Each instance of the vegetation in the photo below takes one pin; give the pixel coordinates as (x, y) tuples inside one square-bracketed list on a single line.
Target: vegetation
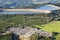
[(37, 37), (18, 20), (34, 37), (52, 27), (6, 37), (58, 37), (30, 20)]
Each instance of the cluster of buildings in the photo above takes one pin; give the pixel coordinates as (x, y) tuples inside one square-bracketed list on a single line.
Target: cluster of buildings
[(26, 33)]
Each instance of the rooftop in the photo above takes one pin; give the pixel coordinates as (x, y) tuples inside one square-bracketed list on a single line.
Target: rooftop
[(28, 31)]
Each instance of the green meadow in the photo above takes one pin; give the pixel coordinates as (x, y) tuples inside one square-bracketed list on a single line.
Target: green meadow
[(52, 27)]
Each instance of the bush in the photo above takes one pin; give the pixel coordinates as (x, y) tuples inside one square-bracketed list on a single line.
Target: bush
[(6, 37), (58, 37), (34, 37)]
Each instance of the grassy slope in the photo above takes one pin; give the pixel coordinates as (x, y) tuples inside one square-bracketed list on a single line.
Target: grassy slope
[(53, 26)]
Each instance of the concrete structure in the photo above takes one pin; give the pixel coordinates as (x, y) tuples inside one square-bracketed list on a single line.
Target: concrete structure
[(25, 33)]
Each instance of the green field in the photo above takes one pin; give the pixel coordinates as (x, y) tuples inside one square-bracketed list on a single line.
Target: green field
[(52, 27)]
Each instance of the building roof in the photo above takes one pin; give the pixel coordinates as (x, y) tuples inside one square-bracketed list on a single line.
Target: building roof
[(28, 31), (48, 7)]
